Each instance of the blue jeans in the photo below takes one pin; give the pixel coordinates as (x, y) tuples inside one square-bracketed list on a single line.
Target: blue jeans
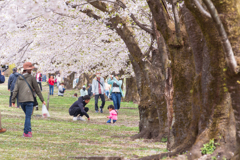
[(51, 88), (27, 108), (107, 93), (109, 121), (116, 97)]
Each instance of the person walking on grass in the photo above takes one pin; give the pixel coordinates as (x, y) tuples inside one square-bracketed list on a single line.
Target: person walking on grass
[(113, 114), (51, 85), (11, 83), (116, 90), (24, 86), (2, 80), (61, 89), (98, 89), (78, 109), (39, 79), (83, 91)]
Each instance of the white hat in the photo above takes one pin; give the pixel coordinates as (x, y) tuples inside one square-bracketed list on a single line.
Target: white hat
[(84, 86)]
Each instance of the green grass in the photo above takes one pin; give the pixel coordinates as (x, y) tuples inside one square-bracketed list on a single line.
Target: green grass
[(58, 137)]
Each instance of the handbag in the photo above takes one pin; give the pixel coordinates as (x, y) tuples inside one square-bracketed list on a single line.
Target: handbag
[(35, 103)]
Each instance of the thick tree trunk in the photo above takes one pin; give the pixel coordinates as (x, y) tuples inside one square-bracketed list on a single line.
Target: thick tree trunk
[(84, 79), (69, 81), (202, 104), (131, 91)]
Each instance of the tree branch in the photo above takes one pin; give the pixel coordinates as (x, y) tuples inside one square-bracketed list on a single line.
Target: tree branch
[(142, 26), (229, 55), (176, 18), (201, 9)]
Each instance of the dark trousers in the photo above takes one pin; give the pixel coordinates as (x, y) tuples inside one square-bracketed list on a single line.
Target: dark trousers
[(10, 100), (116, 97), (27, 108), (40, 85), (76, 111), (96, 101)]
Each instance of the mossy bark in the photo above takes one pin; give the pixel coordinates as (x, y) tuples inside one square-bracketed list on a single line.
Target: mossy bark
[(131, 91), (205, 95)]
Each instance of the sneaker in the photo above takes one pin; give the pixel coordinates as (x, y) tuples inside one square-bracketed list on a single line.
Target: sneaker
[(36, 108), (80, 118), (74, 118), (96, 111), (27, 135), (30, 133), (101, 110), (2, 130)]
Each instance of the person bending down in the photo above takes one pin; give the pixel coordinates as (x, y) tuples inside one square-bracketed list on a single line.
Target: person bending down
[(78, 108), (113, 114)]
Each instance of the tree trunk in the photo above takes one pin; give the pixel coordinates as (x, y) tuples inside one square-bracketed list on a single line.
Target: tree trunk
[(131, 91), (202, 103), (69, 81)]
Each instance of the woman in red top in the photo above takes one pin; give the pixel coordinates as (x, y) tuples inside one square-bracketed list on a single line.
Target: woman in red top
[(51, 85)]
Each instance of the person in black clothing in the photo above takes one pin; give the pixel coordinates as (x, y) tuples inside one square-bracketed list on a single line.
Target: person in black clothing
[(2, 80), (11, 84), (78, 108), (90, 90)]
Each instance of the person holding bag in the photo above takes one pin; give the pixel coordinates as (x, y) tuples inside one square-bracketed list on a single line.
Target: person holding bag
[(98, 89), (116, 90), (25, 87)]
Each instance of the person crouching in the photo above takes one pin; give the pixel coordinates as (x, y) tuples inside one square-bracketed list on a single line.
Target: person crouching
[(113, 114), (78, 108), (61, 89)]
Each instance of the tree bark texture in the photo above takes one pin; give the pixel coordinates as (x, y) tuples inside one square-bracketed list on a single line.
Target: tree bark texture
[(69, 81), (205, 101), (205, 93), (131, 91)]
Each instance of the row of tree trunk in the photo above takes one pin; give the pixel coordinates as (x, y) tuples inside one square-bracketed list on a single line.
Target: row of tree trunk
[(186, 88)]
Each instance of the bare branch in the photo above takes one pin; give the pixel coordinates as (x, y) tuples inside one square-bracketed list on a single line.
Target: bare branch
[(201, 9), (142, 26), (176, 18), (229, 55)]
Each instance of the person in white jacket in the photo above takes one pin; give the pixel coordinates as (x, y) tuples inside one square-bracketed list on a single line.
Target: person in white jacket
[(83, 91), (58, 80), (98, 90)]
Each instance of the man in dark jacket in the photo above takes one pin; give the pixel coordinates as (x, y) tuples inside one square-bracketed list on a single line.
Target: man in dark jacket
[(78, 108), (90, 90), (11, 83), (2, 80)]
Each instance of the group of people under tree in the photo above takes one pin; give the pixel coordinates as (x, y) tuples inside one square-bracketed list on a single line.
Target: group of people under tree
[(24, 87)]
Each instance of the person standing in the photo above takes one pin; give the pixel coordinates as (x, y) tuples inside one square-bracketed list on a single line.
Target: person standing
[(11, 83), (90, 90), (58, 80), (98, 89), (2, 80), (39, 79), (116, 90), (24, 86), (83, 91), (51, 85), (107, 88)]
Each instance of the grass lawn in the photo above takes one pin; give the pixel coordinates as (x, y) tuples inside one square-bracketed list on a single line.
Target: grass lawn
[(58, 137)]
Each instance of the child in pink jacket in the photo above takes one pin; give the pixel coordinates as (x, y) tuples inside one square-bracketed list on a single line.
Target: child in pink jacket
[(113, 114)]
